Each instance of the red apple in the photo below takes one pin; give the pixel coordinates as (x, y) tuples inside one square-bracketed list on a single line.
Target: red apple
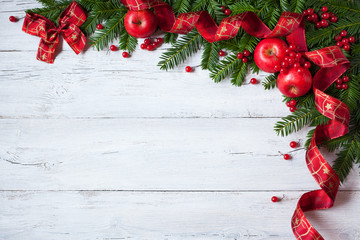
[(295, 82), (140, 23), (268, 53)]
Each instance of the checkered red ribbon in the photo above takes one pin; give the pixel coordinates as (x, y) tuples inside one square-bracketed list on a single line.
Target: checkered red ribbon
[(69, 22), (333, 64)]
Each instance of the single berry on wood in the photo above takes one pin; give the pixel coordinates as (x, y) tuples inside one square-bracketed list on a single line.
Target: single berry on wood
[(221, 53), (293, 144), (292, 103), (310, 11), (125, 54), (253, 81), (239, 55), (324, 23), (99, 26), (344, 86), (324, 9), (345, 40), (246, 53), (343, 33), (159, 40), (339, 86), (333, 19), (338, 38), (346, 47), (274, 199), (147, 41), (188, 69), (149, 47), (351, 39), (227, 12), (143, 46), (325, 16), (307, 64), (12, 19), (345, 78), (292, 109), (113, 48), (339, 44), (339, 81), (286, 156), (244, 60)]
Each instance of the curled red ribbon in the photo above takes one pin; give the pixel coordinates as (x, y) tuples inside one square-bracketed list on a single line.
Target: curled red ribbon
[(333, 64), (69, 22)]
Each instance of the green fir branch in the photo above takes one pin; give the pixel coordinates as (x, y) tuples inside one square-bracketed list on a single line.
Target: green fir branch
[(210, 56), (270, 81), (294, 122), (127, 42)]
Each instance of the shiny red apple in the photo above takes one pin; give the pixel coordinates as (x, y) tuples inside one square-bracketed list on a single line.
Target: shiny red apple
[(268, 53), (140, 23), (295, 82)]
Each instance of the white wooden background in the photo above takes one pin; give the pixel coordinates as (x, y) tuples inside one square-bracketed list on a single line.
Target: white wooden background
[(96, 146)]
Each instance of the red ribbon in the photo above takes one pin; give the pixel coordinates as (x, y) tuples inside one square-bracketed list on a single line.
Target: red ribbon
[(69, 22), (333, 64)]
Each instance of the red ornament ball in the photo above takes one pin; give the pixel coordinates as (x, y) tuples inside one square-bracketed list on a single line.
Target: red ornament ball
[(346, 47), (99, 26), (286, 156), (344, 86), (227, 12), (246, 53), (221, 53), (113, 48), (239, 55), (244, 60), (188, 69), (253, 81), (125, 54), (324, 9), (343, 33), (143, 46), (351, 39), (333, 19), (345, 78), (12, 19), (274, 199), (293, 144)]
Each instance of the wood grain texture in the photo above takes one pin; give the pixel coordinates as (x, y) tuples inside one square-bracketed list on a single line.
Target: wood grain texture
[(96, 146)]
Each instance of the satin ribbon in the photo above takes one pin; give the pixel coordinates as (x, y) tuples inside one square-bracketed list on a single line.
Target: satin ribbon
[(69, 22), (332, 63)]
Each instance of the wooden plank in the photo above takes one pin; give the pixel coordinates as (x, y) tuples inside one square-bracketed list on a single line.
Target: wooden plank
[(160, 154), (166, 215)]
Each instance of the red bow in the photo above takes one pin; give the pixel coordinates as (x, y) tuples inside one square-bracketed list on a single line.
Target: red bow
[(69, 22), (333, 64)]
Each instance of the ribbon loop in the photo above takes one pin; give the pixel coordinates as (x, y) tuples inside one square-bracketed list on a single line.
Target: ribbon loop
[(69, 22)]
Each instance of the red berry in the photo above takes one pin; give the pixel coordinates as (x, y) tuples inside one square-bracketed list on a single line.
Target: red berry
[(292, 109), (288, 104), (287, 51), (277, 67), (292, 47), (292, 54), (324, 9), (253, 81), (305, 12), (333, 19), (339, 81), (339, 86), (244, 60), (318, 25), (283, 70), (309, 18), (298, 55), (149, 47), (99, 26), (293, 144), (274, 199), (154, 44), (143, 46), (12, 19), (246, 53), (286, 156), (325, 15), (345, 40), (188, 69), (297, 65), (113, 48), (324, 23), (159, 40), (223, 8), (307, 64), (239, 55), (284, 64), (345, 78), (314, 17), (291, 61), (346, 47), (221, 53), (286, 59), (292, 103), (147, 41), (344, 86), (343, 33), (125, 54), (338, 38), (310, 11), (300, 70), (331, 14), (227, 12), (351, 39), (339, 44)]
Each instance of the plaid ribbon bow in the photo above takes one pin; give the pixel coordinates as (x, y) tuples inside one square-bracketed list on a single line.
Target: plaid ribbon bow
[(69, 22)]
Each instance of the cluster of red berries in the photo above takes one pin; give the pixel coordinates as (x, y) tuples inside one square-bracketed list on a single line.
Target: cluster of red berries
[(292, 59), (13, 19), (293, 144), (227, 11), (151, 45), (243, 56), (292, 105), (344, 42), (325, 16), (341, 83)]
